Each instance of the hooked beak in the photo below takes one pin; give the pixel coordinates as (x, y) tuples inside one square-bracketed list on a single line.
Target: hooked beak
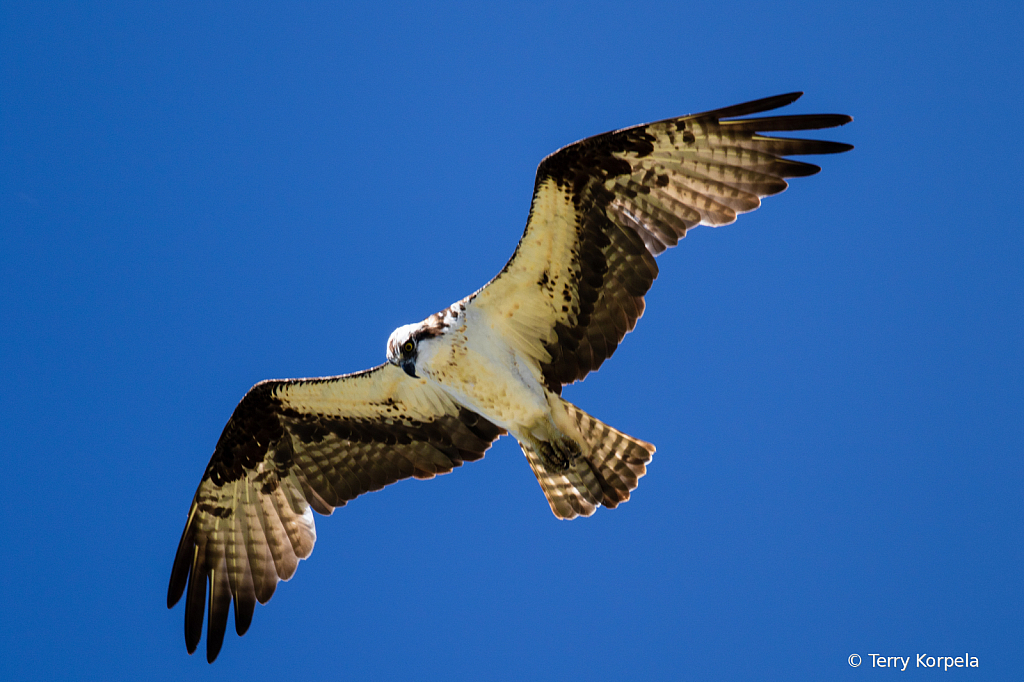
[(409, 367)]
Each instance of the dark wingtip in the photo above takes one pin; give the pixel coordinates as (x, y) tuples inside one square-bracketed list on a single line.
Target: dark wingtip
[(799, 169), (754, 107), (243, 615), (195, 607), (213, 645), (174, 593), (217, 614), (182, 562)]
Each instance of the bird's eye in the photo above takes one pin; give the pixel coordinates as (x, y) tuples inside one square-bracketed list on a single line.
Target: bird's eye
[(408, 347)]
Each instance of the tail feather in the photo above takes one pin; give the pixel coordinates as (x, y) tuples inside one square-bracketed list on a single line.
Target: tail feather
[(571, 492), (608, 469)]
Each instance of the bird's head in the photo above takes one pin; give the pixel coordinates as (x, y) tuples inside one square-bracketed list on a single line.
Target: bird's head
[(402, 347), (418, 342)]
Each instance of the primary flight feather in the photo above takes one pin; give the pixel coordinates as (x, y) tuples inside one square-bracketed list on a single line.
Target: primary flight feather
[(493, 363)]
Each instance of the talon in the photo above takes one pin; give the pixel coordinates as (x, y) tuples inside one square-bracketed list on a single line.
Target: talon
[(560, 455)]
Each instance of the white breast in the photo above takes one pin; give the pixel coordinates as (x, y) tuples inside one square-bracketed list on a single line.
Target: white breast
[(479, 369)]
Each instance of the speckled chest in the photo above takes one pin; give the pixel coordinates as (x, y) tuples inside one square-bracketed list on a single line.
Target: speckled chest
[(473, 364)]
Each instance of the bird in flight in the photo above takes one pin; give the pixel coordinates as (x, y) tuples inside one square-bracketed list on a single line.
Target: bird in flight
[(490, 364)]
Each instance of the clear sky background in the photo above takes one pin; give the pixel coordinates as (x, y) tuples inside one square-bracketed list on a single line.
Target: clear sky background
[(197, 196)]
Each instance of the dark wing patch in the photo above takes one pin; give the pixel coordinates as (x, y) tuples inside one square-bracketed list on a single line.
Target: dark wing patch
[(623, 198), (295, 445)]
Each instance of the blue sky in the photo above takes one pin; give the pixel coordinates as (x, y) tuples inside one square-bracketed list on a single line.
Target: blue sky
[(198, 196)]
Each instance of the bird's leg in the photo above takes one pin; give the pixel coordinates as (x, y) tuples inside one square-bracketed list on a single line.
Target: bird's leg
[(554, 437), (559, 453)]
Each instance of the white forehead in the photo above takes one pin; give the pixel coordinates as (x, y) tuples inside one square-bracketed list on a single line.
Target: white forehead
[(402, 333)]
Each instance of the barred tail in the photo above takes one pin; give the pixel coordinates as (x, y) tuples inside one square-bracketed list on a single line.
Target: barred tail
[(608, 467)]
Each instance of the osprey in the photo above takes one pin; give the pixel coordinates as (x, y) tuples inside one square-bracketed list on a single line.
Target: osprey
[(493, 363)]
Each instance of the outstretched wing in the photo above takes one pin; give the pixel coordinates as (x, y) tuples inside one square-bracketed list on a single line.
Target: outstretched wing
[(293, 445), (605, 206)]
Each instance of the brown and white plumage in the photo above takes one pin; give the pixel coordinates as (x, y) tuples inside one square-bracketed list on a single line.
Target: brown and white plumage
[(494, 362), (300, 444), (605, 206)]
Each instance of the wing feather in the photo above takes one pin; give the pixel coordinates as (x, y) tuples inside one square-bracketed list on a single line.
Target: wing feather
[(220, 604), (605, 206), (240, 575), (294, 447)]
